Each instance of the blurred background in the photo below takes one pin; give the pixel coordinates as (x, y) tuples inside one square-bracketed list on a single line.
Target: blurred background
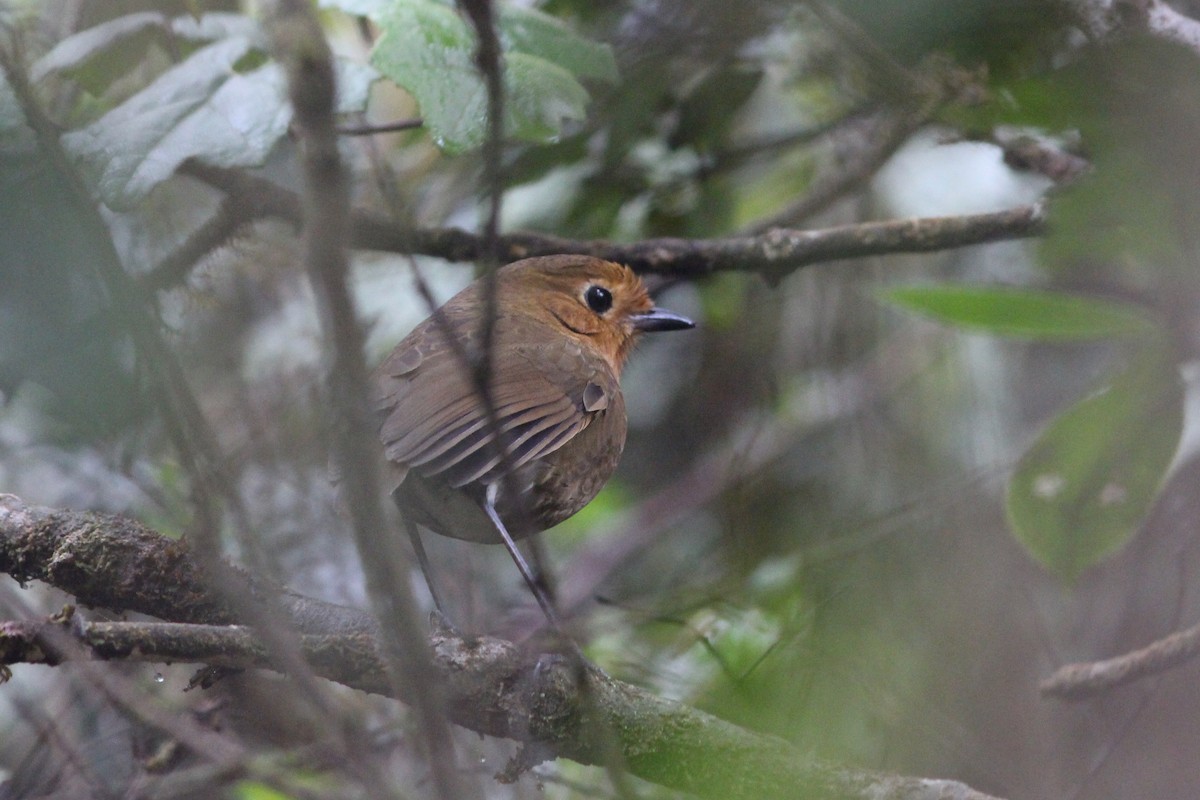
[(808, 532)]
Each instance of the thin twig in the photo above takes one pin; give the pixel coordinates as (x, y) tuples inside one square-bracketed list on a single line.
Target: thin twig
[(1088, 679), (488, 61), (382, 127), (171, 271)]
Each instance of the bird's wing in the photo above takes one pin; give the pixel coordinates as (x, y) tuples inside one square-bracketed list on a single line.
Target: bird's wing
[(434, 422)]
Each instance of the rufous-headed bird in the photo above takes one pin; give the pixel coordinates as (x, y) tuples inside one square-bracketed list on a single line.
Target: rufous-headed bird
[(563, 329)]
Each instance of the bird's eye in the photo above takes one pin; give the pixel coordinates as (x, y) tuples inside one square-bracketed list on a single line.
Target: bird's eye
[(598, 299)]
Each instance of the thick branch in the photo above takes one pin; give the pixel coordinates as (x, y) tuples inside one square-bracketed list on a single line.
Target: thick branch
[(492, 687), (774, 254)]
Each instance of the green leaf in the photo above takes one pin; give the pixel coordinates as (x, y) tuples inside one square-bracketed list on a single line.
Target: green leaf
[(1082, 489), (525, 30), (101, 54), (1022, 313), (429, 49), (253, 790), (539, 97), (199, 108), (202, 108)]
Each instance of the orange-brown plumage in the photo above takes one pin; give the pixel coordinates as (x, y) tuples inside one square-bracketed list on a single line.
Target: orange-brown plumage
[(565, 326)]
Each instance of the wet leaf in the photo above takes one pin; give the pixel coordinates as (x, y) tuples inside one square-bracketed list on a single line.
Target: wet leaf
[(429, 49), (1082, 489)]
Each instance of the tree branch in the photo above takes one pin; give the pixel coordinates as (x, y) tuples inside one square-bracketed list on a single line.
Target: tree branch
[(491, 685), (774, 254), (1088, 679)]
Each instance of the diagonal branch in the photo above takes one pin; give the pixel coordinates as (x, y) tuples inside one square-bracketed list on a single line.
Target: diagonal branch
[(1086, 680), (491, 685)]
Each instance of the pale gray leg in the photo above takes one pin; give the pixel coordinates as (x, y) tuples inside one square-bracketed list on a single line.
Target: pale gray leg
[(414, 536), (541, 566), (519, 560)]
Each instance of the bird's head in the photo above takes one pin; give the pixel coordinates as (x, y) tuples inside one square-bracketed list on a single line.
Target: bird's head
[(603, 304)]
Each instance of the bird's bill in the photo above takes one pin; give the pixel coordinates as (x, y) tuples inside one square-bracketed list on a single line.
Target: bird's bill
[(657, 319)]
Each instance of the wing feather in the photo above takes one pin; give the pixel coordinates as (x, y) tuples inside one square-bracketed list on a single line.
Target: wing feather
[(433, 421), (465, 425), (477, 434)]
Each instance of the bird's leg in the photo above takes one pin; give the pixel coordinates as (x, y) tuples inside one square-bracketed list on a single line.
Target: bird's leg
[(414, 536), (541, 567), (489, 507)]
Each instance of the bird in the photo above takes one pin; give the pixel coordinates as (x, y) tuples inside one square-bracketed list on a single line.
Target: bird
[(563, 328)]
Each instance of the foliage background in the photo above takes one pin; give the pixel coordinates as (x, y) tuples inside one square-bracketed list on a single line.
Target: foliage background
[(808, 533)]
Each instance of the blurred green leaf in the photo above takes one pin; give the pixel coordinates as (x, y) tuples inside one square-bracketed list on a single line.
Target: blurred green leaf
[(1081, 490), (252, 790), (107, 52), (429, 49), (1022, 313), (201, 108), (526, 30), (1119, 210), (541, 95), (101, 54)]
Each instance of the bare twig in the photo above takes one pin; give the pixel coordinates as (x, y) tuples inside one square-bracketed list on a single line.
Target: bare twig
[(1085, 680), (1028, 153), (383, 127), (915, 96), (171, 271), (56, 641), (488, 61), (301, 47), (774, 254)]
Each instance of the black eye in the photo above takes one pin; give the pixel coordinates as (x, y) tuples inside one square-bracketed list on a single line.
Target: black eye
[(598, 299)]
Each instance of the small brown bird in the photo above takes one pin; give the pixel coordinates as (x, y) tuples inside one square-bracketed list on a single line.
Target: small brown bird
[(564, 327)]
